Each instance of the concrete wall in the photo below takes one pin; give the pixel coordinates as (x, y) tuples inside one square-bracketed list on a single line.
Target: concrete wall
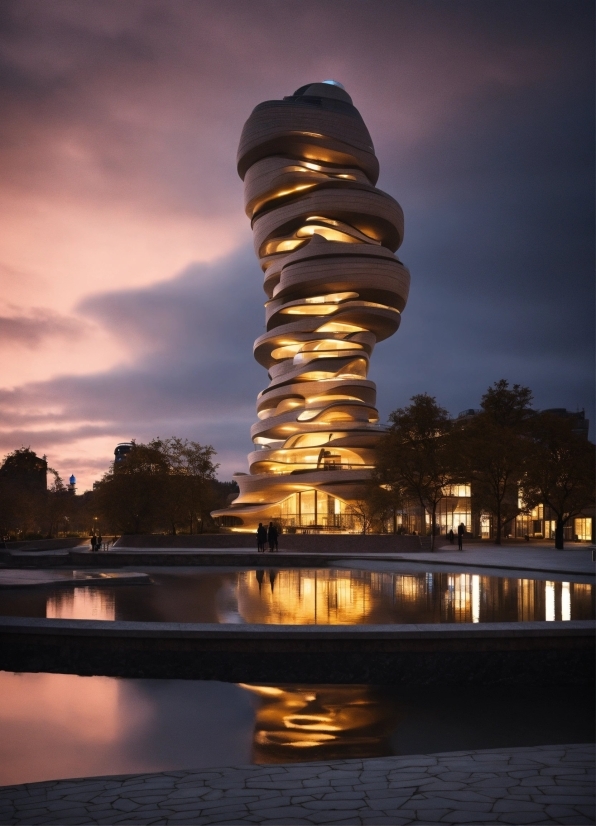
[(312, 543), (493, 654), (44, 544)]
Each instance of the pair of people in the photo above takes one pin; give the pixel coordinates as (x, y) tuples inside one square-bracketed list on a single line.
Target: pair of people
[(461, 529), (266, 535), (96, 543)]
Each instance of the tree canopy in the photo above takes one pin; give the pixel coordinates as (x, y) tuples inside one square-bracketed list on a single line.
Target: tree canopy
[(165, 484), (492, 448), (559, 470), (415, 457)]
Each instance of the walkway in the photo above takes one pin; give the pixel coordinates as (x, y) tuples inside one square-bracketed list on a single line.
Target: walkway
[(541, 558), (575, 561), (540, 785)]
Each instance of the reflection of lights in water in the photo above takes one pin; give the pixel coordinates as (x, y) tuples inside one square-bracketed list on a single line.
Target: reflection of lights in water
[(303, 597), (462, 593), (549, 601), (525, 600), (457, 596), (475, 598), (406, 587), (346, 597), (565, 602), (338, 721), (82, 603)]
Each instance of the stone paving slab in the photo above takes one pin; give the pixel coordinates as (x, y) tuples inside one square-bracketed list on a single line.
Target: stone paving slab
[(538, 785)]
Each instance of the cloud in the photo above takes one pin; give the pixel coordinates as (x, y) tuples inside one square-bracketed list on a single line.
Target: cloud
[(35, 327), (193, 376)]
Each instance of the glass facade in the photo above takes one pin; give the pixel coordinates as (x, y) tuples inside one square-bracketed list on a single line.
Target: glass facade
[(315, 511), (456, 507)]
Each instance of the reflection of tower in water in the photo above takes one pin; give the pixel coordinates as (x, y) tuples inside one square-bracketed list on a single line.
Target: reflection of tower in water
[(297, 723)]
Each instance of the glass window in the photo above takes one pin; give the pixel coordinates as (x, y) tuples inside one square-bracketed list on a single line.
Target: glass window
[(583, 529)]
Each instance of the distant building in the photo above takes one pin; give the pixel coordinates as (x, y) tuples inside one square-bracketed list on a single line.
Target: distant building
[(581, 425), (72, 485), (456, 506), (121, 450)]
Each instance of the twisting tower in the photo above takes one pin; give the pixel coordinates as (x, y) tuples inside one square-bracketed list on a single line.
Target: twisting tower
[(325, 238)]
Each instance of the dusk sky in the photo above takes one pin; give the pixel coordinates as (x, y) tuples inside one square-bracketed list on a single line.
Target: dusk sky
[(131, 295)]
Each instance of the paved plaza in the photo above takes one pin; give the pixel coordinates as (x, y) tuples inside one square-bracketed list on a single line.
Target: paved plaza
[(539, 785), (573, 560)]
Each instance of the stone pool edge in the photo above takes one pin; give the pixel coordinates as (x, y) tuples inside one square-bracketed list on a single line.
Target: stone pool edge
[(554, 653)]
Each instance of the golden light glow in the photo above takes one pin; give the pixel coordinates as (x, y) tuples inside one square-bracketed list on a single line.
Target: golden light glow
[(306, 309), (331, 298), (331, 720), (339, 327)]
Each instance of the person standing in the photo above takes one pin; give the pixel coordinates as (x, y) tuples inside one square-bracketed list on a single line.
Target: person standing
[(93, 543), (461, 529), (272, 537), (261, 538), (451, 536), (99, 542)]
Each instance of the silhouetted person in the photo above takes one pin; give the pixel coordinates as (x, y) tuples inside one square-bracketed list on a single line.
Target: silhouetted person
[(272, 537), (461, 529), (451, 536), (261, 538), (93, 543), (99, 541)]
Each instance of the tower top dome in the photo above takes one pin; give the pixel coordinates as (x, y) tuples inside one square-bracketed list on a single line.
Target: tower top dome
[(73, 479), (324, 89)]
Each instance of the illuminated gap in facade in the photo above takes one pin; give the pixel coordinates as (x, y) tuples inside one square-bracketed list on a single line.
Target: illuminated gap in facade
[(325, 238)]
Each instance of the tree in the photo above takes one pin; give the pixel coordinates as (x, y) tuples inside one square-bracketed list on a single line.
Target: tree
[(131, 495), (492, 447), (415, 457), (190, 495), (163, 484), (370, 511), (57, 503), (559, 470), (23, 490)]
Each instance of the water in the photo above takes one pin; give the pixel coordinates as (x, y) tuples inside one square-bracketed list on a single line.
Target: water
[(300, 596), (61, 725)]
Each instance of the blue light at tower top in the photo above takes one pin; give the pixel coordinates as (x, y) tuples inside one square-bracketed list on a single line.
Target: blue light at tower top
[(335, 83), (73, 479)]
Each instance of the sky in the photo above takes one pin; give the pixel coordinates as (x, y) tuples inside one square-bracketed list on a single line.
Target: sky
[(131, 296)]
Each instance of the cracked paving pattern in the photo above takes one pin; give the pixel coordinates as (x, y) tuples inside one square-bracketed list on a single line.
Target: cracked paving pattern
[(538, 785)]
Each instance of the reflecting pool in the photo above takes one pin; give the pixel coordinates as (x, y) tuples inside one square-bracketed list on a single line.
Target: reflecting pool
[(318, 596), (61, 725)]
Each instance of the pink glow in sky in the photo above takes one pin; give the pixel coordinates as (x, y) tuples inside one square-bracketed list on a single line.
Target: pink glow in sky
[(130, 296)]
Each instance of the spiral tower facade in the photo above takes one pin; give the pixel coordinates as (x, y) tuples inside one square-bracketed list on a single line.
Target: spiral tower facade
[(325, 238)]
